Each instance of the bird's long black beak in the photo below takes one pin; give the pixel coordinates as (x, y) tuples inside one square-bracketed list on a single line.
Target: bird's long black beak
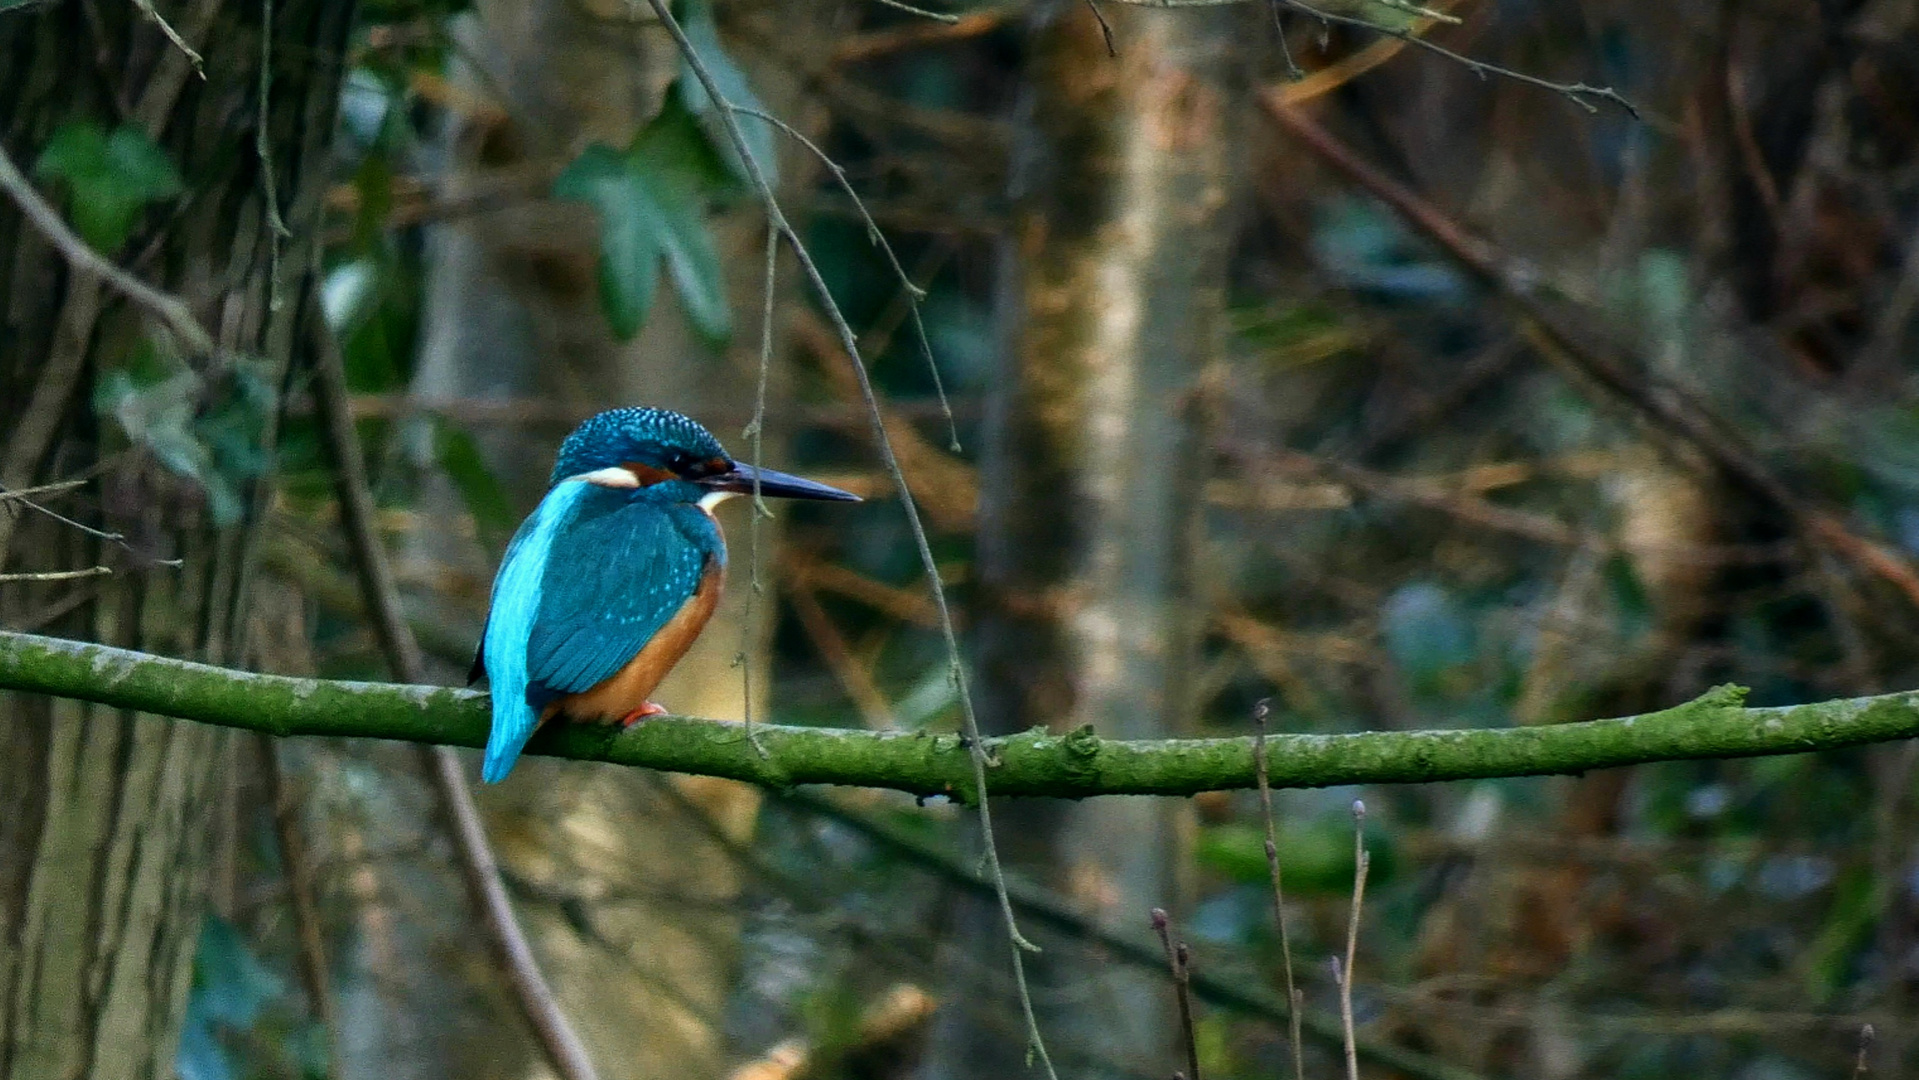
[(774, 484)]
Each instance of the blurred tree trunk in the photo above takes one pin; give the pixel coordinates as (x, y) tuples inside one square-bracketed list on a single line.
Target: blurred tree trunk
[(111, 823), (1091, 481), (626, 886)]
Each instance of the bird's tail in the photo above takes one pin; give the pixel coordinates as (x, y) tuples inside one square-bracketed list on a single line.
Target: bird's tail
[(513, 724)]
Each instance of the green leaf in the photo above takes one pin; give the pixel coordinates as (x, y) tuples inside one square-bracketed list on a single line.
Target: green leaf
[(696, 18), (652, 203), (110, 179), (478, 487), (1316, 856), (629, 251), (209, 433)]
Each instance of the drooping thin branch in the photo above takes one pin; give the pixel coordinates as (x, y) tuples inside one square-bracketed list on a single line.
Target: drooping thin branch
[(755, 433), (381, 596), (914, 293), (1578, 93), (170, 309), (975, 745), (1074, 766)]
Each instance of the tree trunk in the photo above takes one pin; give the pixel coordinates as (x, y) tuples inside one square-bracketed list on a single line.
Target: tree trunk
[(109, 821), (1089, 493)]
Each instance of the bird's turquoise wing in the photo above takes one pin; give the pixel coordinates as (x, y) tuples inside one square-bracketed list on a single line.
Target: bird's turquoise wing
[(587, 582), (509, 624), (613, 580)]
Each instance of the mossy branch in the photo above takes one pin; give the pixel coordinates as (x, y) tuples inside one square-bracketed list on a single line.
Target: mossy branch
[(1717, 725)]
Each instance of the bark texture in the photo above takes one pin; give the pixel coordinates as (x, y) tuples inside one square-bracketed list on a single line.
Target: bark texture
[(110, 821), (1089, 509)]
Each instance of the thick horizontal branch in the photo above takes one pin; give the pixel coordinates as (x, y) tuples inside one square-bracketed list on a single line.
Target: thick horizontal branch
[(1071, 766)]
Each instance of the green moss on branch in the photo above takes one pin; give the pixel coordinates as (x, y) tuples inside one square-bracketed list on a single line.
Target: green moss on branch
[(1077, 765)]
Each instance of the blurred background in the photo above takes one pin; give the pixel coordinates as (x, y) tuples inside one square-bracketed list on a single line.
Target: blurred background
[(1391, 389)]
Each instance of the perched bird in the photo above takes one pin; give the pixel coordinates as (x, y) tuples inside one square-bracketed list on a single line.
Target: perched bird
[(618, 569)]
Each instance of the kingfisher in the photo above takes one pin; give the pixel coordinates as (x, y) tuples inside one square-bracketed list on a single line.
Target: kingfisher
[(610, 579)]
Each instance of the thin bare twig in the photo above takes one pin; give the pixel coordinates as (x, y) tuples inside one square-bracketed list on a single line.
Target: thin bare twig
[(886, 42), (976, 746), (1361, 862), (1179, 960), (170, 309), (277, 231), (901, 5), (381, 596), (1105, 28), (19, 495), (756, 434), (56, 575), (1260, 713), (55, 488), (1293, 71), (146, 8), (914, 293), (1578, 93)]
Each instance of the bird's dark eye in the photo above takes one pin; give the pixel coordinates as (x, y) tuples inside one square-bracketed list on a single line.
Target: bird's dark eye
[(684, 464)]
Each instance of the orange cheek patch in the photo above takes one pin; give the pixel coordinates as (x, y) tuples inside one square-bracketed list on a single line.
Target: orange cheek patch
[(647, 474)]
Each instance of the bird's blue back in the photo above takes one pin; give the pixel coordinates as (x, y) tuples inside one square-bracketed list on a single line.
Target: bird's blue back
[(588, 580)]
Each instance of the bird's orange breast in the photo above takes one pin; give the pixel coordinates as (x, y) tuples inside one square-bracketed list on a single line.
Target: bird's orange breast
[(628, 689)]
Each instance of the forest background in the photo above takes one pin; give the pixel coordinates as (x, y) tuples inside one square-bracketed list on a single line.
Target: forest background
[(1233, 354)]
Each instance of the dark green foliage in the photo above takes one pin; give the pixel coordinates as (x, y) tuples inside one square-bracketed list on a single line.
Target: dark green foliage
[(109, 178), (652, 198), (205, 429)]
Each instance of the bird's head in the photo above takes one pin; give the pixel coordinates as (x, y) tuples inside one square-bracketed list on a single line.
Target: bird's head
[(673, 456)]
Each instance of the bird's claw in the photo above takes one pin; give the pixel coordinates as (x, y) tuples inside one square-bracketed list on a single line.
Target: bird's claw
[(645, 712)]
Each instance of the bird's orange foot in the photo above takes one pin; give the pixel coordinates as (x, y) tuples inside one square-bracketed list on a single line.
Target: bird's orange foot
[(646, 711)]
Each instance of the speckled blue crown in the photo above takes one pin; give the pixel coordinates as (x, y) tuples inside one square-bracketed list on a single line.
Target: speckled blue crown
[(649, 436)]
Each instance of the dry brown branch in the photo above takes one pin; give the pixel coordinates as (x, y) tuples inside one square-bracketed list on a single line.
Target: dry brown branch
[(1666, 408), (891, 600), (858, 47), (944, 486), (853, 676)]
